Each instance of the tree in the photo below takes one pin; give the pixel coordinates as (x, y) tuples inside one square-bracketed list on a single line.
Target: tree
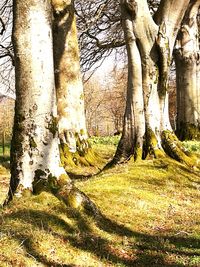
[(187, 59), (75, 148), (69, 87), (35, 159), (34, 150), (115, 97), (149, 41), (94, 105), (99, 45)]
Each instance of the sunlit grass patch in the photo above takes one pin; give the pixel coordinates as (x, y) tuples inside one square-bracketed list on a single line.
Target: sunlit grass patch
[(192, 146), (43, 231), (151, 217), (104, 140), (160, 198)]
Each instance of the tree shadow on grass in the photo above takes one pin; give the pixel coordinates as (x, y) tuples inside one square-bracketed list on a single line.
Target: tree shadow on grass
[(145, 250), (175, 171)]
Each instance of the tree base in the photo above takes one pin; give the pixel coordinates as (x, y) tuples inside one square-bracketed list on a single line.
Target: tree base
[(63, 189), (171, 147), (87, 158)]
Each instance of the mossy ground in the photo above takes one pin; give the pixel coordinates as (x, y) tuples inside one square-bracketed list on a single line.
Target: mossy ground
[(151, 218)]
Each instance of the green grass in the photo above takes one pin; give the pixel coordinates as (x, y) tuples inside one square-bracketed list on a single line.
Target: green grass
[(4, 159), (106, 140), (7, 149), (192, 146), (151, 218)]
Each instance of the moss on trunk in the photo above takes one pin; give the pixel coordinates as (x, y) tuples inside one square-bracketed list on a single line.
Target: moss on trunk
[(83, 156), (169, 146), (151, 148), (174, 148), (137, 153)]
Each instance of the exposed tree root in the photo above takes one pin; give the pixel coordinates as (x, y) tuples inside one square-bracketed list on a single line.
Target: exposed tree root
[(64, 189), (173, 148), (83, 157), (151, 148)]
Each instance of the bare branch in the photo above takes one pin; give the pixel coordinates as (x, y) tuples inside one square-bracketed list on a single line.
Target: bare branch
[(2, 26), (100, 33)]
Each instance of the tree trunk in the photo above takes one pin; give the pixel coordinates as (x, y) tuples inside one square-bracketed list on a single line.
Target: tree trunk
[(75, 148), (187, 59), (34, 150), (131, 142), (152, 43), (35, 158)]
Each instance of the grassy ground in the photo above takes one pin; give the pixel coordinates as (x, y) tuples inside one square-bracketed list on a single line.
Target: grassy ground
[(7, 149), (151, 218)]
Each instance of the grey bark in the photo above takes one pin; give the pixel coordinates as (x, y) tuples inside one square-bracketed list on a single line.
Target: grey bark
[(35, 158), (34, 147), (134, 121), (69, 86), (187, 59), (154, 42)]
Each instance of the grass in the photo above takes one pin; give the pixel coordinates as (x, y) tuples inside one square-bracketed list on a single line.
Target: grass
[(192, 146), (7, 149), (151, 217), (106, 140)]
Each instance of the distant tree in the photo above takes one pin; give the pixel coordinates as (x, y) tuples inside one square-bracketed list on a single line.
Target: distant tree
[(187, 59), (94, 103), (115, 98), (6, 119), (105, 101)]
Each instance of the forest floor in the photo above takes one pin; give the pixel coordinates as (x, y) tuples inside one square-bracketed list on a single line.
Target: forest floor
[(151, 217)]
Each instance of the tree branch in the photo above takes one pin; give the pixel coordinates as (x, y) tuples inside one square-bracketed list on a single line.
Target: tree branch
[(3, 26)]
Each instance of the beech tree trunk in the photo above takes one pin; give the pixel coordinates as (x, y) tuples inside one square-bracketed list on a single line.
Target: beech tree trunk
[(34, 149), (151, 42), (35, 158), (187, 59), (70, 98), (131, 142)]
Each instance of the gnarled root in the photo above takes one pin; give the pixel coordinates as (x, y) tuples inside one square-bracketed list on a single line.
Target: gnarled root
[(65, 191), (175, 149), (79, 158)]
